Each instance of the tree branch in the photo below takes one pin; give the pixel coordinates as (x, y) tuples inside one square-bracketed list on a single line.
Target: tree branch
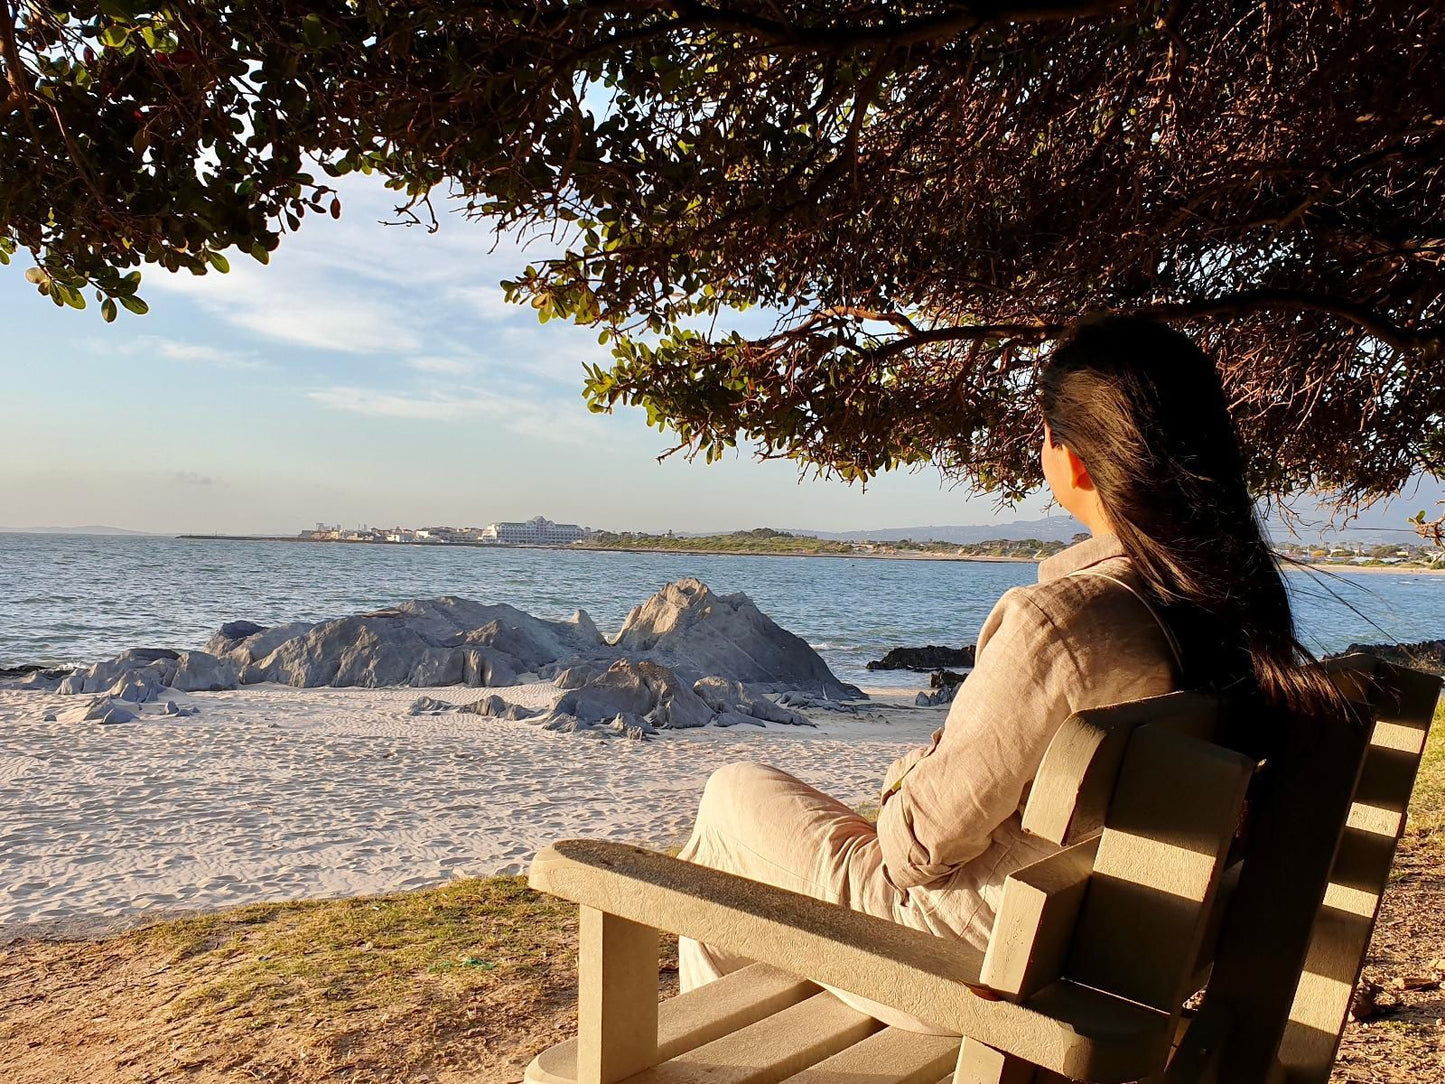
[(1246, 302), (963, 19), (19, 96)]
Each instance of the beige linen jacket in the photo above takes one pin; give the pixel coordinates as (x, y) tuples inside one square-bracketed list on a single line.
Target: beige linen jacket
[(1083, 636)]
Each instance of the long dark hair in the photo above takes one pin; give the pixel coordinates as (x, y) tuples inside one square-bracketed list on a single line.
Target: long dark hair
[(1144, 409)]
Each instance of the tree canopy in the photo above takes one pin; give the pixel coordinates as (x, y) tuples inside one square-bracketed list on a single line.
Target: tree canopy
[(925, 192)]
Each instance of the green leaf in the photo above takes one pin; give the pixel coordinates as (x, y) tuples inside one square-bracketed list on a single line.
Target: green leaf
[(312, 29), (114, 37), (107, 310), (134, 304), (219, 262)]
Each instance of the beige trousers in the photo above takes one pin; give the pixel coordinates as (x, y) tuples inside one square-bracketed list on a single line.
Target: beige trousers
[(763, 824)]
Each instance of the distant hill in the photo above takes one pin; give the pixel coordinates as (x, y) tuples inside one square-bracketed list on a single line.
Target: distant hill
[(94, 528), (1047, 529)]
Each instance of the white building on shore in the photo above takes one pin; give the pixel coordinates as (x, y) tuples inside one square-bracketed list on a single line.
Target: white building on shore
[(538, 531)]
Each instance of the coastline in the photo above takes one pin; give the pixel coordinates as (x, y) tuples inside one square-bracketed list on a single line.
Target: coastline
[(1303, 566), (573, 548)]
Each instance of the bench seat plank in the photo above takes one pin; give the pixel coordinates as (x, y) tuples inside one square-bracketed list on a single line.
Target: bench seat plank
[(696, 1017), (770, 1050), (889, 1056)]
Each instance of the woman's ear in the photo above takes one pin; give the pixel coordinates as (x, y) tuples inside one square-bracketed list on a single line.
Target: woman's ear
[(1078, 473)]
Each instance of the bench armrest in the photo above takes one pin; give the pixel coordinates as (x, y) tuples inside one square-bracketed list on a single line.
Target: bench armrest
[(1084, 1034)]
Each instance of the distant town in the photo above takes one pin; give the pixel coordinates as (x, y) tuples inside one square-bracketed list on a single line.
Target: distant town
[(1362, 555), (537, 531), (540, 531)]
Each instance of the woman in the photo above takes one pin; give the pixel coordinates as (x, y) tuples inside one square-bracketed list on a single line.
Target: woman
[(1176, 588)]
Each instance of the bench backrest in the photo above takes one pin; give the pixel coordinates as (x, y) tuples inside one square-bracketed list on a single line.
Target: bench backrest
[(1146, 807), (1403, 704), (1164, 886)]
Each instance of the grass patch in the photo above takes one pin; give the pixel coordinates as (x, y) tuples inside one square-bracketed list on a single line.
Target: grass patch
[(1425, 828), (323, 959)]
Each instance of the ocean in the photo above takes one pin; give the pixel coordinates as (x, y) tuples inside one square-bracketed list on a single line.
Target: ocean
[(79, 599)]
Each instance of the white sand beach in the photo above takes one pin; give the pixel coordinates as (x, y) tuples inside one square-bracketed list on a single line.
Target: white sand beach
[(273, 793)]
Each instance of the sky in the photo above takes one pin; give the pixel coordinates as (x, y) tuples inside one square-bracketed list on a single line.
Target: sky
[(373, 374), (369, 374)]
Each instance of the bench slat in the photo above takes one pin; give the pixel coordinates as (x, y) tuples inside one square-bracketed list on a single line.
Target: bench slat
[(1166, 837), (889, 1056), (1075, 781), (771, 1050), (696, 1017)]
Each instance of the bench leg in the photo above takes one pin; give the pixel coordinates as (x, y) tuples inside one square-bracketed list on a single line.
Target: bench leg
[(979, 1064), (616, 998)]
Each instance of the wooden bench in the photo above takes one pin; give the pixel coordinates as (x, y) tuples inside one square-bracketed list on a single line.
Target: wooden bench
[(1187, 864)]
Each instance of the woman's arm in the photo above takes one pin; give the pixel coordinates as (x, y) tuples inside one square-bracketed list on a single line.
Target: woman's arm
[(904, 764), (947, 798)]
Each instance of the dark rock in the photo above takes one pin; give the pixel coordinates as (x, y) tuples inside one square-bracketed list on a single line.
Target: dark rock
[(239, 630), (931, 657), (30, 676), (1426, 655), (24, 670), (147, 655), (945, 679)]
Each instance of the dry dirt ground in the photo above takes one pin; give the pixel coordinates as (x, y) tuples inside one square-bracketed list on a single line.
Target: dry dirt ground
[(466, 983)]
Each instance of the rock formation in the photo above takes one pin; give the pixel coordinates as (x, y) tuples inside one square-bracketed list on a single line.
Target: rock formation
[(685, 658), (697, 633), (728, 697), (427, 642), (945, 679), (942, 695), (927, 658)]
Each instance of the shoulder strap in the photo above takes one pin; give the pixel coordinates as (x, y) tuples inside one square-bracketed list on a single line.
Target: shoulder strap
[(1169, 637)]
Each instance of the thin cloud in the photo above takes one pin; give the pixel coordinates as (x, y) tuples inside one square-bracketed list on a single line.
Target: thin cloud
[(196, 353), (191, 478), (180, 350), (431, 363), (488, 302), (524, 417), (290, 304)]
